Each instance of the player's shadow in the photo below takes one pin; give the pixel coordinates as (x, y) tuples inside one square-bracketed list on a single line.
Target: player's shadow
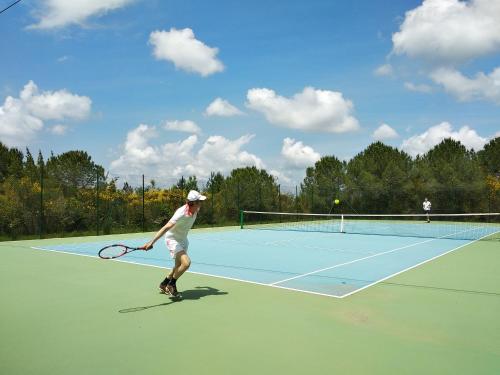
[(201, 291), (190, 294)]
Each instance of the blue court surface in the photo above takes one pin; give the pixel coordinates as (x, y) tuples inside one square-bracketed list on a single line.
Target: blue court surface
[(330, 264)]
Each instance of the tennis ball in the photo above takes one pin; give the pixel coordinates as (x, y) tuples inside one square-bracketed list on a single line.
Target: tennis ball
[(337, 201)]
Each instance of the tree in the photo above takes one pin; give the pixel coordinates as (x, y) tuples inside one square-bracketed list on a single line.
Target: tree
[(11, 162), (376, 179), (215, 182), (181, 183), (458, 177), (249, 188), (322, 184), (73, 170), (30, 169), (127, 189), (192, 183), (489, 156)]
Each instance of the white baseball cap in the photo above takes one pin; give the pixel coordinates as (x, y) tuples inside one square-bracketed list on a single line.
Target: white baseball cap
[(195, 196)]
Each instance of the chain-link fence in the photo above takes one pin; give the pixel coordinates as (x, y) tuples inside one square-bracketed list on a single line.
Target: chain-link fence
[(45, 208)]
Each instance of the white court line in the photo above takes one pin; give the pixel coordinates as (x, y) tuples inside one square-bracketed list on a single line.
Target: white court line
[(193, 272), (411, 267), (351, 261), (282, 287), (372, 256)]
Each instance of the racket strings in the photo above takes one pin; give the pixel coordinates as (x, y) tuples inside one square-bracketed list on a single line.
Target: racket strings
[(113, 251)]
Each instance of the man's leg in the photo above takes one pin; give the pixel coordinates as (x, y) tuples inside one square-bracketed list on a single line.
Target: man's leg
[(182, 263), (168, 279)]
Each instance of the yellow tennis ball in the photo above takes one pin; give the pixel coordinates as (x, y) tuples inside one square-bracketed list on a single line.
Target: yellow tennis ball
[(337, 201)]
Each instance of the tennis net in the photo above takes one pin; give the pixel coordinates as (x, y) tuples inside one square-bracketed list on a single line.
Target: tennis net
[(452, 226)]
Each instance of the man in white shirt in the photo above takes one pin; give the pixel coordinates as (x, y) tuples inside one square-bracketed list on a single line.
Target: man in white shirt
[(176, 231), (427, 209)]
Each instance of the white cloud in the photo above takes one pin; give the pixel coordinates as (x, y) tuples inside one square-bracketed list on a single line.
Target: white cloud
[(186, 126), (221, 107), (22, 118), (137, 148), (185, 51), (173, 160), (221, 154), (384, 132), (310, 110), (384, 70), (297, 155), (418, 88), (56, 105), (482, 87), (449, 31), (59, 129), (59, 13), (17, 126), (284, 178), (420, 144)]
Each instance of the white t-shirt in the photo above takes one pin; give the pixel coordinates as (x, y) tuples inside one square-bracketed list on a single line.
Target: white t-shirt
[(427, 205), (183, 221)]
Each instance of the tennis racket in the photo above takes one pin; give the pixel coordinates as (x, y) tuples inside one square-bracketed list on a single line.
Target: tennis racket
[(116, 251)]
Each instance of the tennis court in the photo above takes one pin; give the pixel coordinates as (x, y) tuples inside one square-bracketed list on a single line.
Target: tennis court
[(255, 301), (332, 264)]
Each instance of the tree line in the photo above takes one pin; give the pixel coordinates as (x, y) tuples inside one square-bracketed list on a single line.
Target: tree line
[(71, 194)]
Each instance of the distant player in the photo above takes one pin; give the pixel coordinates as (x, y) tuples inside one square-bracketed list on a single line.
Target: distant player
[(427, 209), (176, 231)]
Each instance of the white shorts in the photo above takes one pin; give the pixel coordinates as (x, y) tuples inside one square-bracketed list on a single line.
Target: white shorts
[(175, 246)]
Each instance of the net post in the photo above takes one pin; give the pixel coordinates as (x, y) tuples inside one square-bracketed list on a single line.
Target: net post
[(241, 219), (342, 223)]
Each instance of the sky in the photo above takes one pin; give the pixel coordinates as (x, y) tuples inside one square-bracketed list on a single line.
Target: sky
[(178, 88)]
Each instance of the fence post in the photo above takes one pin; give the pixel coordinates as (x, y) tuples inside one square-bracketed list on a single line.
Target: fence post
[(312, 199), (41, 201), (296, 200), (97, 203), (238, 195), (212, 203), (279, 201), (260, 197), (279, 198), (143, 217), (182, 189)]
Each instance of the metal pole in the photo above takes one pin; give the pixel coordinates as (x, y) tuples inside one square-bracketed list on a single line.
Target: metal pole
[(143, 217), (182, 190), (296, 200), (260, 197), (238, 196), (312, 199), (97, 203), (41, 201), (212, 203), (279, 198)]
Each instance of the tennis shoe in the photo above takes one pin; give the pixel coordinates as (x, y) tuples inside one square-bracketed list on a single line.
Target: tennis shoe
[(164, 289), (172, 290)]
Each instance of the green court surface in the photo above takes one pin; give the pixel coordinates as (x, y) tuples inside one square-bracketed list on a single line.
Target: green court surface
[(68, 314)]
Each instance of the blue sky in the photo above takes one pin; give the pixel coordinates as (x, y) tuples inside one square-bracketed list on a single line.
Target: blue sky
[(176, 88)]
